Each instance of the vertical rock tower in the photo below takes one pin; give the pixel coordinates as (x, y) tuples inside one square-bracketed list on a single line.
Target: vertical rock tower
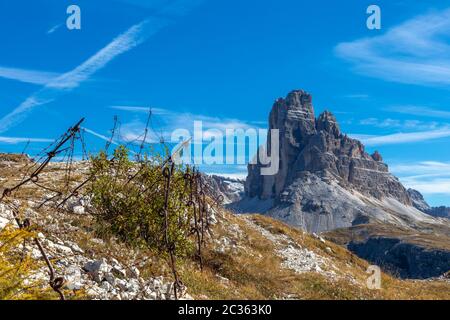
[(318, 147)]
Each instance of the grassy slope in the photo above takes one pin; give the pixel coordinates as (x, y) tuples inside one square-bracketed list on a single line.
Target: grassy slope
[(254, 271), (252, 268), (435, 238)]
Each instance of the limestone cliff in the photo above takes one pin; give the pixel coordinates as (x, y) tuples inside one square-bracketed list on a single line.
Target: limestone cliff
[(318, 146), (326, 180)]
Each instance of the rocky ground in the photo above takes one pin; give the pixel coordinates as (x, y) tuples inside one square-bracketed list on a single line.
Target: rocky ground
[(84, 261), (96, 276), (246, 257), (327, 181)]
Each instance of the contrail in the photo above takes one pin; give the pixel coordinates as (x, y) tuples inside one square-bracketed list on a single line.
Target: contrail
[(126, 41)]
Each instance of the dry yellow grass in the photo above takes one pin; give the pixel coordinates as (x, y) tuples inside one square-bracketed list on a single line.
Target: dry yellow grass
[(252, 270), (255, 271)]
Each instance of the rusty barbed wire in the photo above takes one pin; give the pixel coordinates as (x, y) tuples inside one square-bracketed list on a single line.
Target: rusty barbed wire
[(56, 283), (50, 155), (197, 195)]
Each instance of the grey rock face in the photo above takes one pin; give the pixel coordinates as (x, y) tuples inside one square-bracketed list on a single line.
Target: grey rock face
[(443, 212), (230, 189), (318, 146), (418, 201), (403, 259), (294, 117), (377, 156), (326, 179)]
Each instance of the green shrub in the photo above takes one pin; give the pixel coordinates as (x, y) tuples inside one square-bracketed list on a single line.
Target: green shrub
[(128, 201)]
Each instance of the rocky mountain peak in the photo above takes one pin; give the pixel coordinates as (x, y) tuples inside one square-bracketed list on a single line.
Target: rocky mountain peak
[(295, 114), (327, 122), (417, 200), (317, 146), (377, 156), (298, 98), (327, 181)]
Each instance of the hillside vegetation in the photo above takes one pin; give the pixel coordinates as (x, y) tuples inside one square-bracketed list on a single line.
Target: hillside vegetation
[(243, 256)]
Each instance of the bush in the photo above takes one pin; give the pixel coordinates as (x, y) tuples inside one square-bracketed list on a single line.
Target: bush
[(128, 201)]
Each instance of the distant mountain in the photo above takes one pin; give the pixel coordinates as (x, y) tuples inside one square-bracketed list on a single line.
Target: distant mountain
[(418, 200), (231, 190), (327, 181), (420, 203), (441, 211), (246, 257)]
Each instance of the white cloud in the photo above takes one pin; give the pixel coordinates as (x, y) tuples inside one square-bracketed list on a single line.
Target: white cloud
[(422, 168), (54, 28), (436, 186), (415, 52), (123, 43), (134, 132), (16, 140), (398, 138), (135, 109), (361, 136), (403, 124), (28, 76), (101, 136), (166, 121), (420, 111), (428, 177), (70, 80), (131, 38)]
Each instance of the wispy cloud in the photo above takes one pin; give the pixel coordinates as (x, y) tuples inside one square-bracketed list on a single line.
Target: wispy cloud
[(402, 124), (166, 121), (28, 76), (360, 96), (102, 137), (420, 111), (401, 138), (135, 109), (16, 140), (126, 41), (70, 80), (429, 177), (415, 52), (54, 28), (422, 168), (134, 132), (123, 43)]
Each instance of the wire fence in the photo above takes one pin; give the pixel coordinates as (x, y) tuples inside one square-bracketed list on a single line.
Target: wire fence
[(200, 198)]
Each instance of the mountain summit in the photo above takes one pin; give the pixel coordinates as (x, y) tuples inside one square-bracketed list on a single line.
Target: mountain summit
[(317, 146), (326, 180), (327, 183)]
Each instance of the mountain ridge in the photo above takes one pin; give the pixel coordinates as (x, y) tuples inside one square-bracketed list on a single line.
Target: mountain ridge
[(245, 256), (317, 145), (327, 181)]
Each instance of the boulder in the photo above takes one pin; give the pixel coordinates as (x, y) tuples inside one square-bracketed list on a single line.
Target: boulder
[(97, 269)]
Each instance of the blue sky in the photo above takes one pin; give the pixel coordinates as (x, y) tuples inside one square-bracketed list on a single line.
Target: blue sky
[(225, 62)]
